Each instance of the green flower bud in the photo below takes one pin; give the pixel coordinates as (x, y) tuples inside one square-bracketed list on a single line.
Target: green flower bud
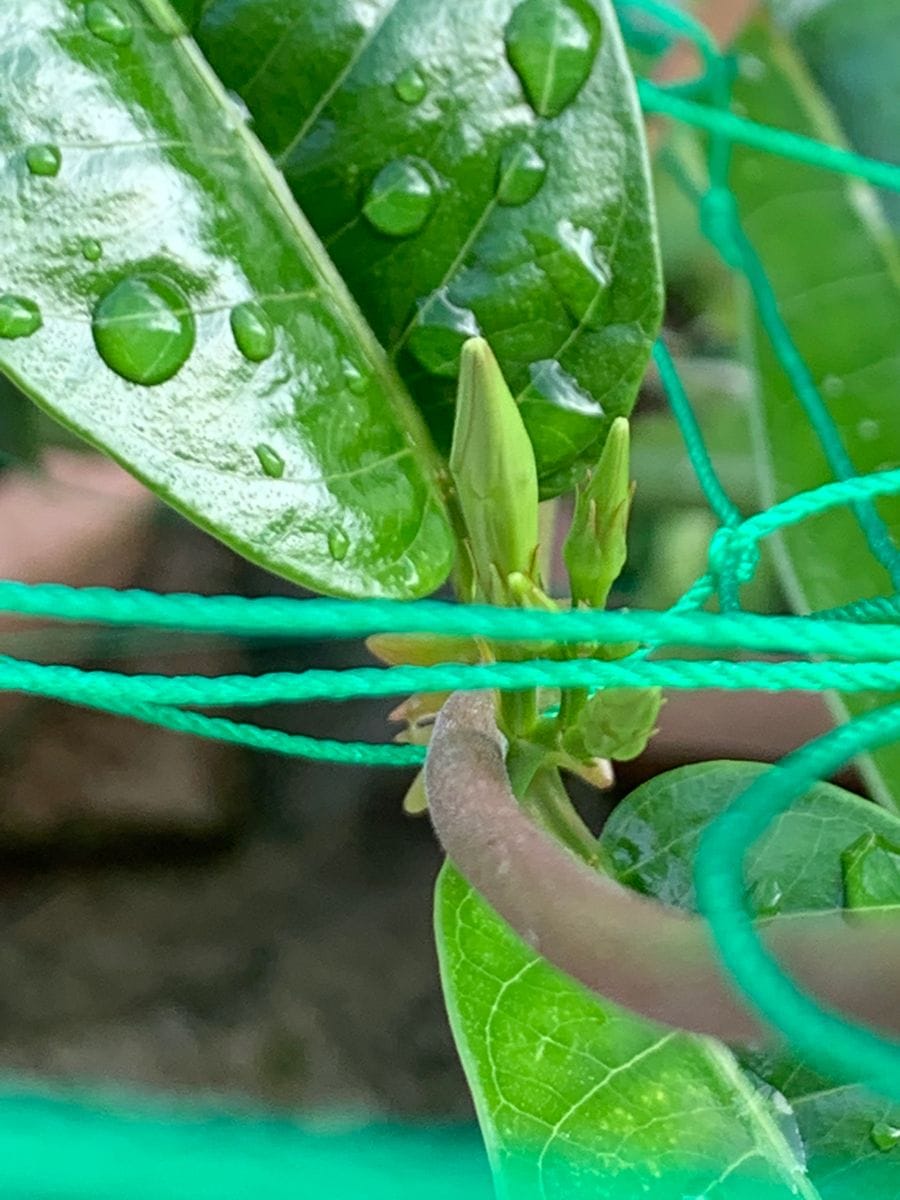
[(596, 546), (615, 723), (493, 468)]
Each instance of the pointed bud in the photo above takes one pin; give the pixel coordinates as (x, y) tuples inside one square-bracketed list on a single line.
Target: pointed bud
[(596, 546), (615, 723), (493, 468)]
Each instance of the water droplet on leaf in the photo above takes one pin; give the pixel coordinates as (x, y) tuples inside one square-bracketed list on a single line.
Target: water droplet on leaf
[(766, 897), (563, 419), (254, 333), (868, 429), (91, 249), (354, 378), (338, 544), (551, 45), (871, 871), (575, 266), (43, 159), (833, 386), (410, 86), (438, 335), (521, 173), (883, 1136), (144, 329), (270, 460), (241, 109), (401, 197), (107, 23), (18, 317)]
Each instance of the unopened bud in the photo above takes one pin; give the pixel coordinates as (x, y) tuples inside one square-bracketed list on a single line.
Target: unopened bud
[(596, 546)]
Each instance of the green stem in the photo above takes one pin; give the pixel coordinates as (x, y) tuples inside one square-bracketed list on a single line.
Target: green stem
[(519, 712), (571, 702), (548, 801)]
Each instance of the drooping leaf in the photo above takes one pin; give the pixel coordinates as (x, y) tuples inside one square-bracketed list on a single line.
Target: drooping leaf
[(18, 427), (472, 167), (836, 273), (161, 294), (801, 862)]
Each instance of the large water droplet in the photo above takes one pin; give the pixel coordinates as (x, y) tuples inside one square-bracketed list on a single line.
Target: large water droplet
[(883, 1136), (254, 333), (766, 897), (563, 419), (576, 268), (520, 175), (871, 871), (18, 317), (552, 45), (91, 249), (270, 460), (43, 159), (144, 328), (438, 335), (410, 86), (107, 23), (401, 197), (338, 544)]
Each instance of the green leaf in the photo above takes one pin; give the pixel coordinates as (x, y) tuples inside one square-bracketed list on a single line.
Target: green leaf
[(615, 723), (19, 439), (577, 1098), (852, 51), (227, 365), (472, 167), (808, 859), (836, 273)]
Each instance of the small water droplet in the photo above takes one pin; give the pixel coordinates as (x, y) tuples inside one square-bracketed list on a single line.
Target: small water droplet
[(575, 266), (43, 159), (521, 174), (410, 86), (144, 328), (883, 1136), (338, 544), (868, 429), (438, 335), (91, 249), (19, 317), (766, 896), (752, 67), (239, 104), (254, 333), (833, 386), (401, 197), (354, 378), (551, 45), (107, 23), (270, 460), (871, 872)]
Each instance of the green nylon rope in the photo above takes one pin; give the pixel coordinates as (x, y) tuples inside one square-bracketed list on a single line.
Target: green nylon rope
[(862, 639)]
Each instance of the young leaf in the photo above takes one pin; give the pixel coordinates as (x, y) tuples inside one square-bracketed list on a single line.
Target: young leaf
[(842, 309), (161, 295), (472, 168), (615, 723)]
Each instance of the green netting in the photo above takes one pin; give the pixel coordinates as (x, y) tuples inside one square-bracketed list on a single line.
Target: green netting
[(852, 649)]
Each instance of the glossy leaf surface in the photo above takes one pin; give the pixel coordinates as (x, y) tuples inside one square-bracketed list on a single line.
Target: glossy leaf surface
[(188, 322), (835, 270), (472, 167), (578, 1098)]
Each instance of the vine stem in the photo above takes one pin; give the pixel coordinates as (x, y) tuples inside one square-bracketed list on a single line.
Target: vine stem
[(654, 960)]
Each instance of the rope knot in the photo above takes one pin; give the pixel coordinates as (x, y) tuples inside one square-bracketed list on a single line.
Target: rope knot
[(733, 559)]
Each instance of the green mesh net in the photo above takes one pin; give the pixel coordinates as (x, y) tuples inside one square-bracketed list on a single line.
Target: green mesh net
[(114, 1151)]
